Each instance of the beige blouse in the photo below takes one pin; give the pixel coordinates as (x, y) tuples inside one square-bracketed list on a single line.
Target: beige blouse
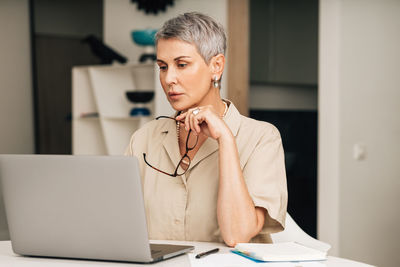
[(185, 207)]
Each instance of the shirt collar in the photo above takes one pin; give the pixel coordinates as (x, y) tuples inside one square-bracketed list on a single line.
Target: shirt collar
[(170, 142), (232, 118)]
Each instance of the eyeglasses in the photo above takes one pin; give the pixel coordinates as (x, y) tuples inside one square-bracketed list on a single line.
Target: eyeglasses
[(180, 169)]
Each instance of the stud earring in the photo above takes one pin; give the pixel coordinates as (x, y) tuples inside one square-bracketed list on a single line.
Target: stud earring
[(216, 82)]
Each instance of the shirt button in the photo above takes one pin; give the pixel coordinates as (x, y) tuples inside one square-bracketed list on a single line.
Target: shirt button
[(177, 221)]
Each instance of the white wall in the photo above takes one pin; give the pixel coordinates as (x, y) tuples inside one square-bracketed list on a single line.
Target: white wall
[(16, 112), (121, 17), (359, 103)]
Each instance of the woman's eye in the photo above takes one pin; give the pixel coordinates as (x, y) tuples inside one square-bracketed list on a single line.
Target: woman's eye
[(163, 67), (182, 65)]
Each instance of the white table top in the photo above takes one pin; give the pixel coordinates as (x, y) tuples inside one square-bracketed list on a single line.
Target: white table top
[(9, 258)]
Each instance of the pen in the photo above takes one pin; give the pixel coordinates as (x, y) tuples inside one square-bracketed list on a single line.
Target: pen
[(203, 254)]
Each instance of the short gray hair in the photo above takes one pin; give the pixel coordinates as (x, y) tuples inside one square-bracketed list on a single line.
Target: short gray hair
[(195, 28)]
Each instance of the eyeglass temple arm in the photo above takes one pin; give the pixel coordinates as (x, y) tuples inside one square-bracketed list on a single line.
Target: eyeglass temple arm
[(148, 164)]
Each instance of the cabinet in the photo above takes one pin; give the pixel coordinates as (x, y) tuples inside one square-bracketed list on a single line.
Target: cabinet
[(284, 42), (101, 122)]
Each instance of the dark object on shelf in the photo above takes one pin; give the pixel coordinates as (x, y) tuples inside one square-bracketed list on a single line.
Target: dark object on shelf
[(140, 98), (89, 115), (153, 6), (106, 54), (144, 57), (140, 111)]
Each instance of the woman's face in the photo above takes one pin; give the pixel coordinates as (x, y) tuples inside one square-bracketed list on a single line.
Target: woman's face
[(184, 75)]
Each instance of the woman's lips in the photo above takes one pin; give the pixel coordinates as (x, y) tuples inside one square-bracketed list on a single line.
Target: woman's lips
[(174, 95)]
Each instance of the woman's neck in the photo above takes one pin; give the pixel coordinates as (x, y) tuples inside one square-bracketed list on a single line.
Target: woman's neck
[(213, 98)]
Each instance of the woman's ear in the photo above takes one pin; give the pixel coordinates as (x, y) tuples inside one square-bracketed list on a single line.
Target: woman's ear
[(217, 65)]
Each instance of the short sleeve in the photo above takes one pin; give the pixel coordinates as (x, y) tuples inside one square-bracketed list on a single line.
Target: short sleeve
[(265, 177)]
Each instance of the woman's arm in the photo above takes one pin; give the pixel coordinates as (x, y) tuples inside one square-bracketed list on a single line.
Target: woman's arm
[(239, 220)]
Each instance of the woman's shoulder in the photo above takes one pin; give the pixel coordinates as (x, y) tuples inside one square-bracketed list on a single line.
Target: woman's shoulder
[(147, 135), (150, 129), (258, 128), (256, 140)]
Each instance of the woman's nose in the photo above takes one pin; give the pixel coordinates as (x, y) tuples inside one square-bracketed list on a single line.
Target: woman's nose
[(170, 77)]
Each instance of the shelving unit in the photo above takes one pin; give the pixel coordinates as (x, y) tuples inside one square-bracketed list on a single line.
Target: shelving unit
[(101, 121)]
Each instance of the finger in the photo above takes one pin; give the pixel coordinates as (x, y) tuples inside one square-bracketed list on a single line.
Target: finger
[(197, 123), (191, 113), (181, 116), (187, 120), (192, 123)]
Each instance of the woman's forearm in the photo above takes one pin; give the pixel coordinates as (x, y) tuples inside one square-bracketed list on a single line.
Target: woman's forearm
[(239, 220)]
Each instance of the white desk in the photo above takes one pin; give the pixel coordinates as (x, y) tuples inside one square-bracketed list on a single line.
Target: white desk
[(8, 258)]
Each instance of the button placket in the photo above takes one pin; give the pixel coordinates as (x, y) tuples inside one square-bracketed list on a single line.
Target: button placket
[(179, 220)]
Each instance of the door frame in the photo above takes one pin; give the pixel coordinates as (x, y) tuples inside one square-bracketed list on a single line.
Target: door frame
[(238, 54)]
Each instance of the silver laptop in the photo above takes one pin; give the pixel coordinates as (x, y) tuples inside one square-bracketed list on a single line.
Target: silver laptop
[(87, 207)]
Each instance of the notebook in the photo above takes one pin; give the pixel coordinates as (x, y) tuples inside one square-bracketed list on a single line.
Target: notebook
[(286, 251), (87, 207)]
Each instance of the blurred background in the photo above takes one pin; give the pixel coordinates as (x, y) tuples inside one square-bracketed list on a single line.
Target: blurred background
[(325, 72)]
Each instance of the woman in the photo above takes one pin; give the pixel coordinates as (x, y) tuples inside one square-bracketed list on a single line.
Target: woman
[(208, 173)]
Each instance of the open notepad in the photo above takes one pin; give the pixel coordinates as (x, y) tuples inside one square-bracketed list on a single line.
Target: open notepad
[(233, 260), (287, 251)]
